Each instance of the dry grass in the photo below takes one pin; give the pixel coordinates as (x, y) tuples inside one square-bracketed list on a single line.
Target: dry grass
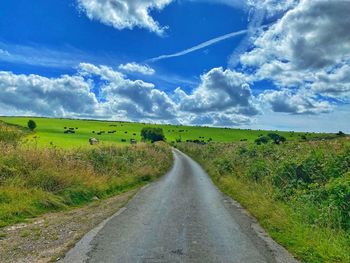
[(36, 180)]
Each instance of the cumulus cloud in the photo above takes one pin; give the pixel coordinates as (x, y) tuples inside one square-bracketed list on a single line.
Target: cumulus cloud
[(308, 47), (135, 99), (33, 94), (294, 102), (220, 90), (125, 14), (72, 95), (136, 68), (335, 83), (223, 97), (272, 6), (283, 74)]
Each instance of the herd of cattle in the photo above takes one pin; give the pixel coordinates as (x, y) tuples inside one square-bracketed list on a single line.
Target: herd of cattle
[(93, 140)]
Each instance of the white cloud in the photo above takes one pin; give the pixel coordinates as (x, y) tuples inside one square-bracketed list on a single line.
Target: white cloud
[(135, 99), (283, 74), (313, 35), (125, 14), (294, 102), (222, 99), (67, 96), (272, 6), (33, 94), (220, 90), (308, 47), (137, 68), (334, 84)]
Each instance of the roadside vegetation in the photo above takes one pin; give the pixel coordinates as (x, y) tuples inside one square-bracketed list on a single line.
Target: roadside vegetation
[(298, 191), (36, 180)]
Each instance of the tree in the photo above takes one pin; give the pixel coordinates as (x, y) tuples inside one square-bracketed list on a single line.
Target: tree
[(262, 139), (31, 125), (277, 139), (152, 134), (340, 133)]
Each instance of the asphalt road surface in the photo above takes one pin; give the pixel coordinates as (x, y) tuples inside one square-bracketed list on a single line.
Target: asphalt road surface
[(182, 217)]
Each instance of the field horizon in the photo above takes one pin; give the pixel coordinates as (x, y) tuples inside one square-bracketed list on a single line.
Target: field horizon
[(50, 132)]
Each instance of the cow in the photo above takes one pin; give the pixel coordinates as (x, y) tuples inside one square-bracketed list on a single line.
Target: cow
[(93, 141)]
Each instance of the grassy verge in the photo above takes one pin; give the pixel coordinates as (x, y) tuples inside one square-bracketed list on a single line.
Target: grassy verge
[(299, 192), (37, 180)]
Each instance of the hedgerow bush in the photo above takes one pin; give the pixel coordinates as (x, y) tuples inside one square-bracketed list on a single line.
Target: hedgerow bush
[(300, 191)]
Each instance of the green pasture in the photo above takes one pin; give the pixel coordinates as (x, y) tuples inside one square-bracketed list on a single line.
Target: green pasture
[(50, 131)]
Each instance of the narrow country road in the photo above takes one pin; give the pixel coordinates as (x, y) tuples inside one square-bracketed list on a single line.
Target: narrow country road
[(180, 218)]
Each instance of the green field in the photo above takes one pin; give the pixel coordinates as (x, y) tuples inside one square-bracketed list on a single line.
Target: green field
[(51, 132)]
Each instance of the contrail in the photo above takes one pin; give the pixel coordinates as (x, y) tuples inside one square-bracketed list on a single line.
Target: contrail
[(200, 46)]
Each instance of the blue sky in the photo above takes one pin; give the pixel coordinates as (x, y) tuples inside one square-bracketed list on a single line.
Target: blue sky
[(286, 68)]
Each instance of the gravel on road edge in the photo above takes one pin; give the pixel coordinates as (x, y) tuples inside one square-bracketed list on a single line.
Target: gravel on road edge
[(47, 238)]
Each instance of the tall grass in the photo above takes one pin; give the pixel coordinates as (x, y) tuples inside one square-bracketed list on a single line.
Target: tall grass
[(10, 133), (37, 180), (299, 191)]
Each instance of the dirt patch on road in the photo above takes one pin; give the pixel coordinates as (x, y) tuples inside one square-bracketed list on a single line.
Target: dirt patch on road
[(47, 238)]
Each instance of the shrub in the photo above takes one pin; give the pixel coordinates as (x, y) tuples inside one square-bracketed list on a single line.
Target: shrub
[(276, 138), (152, 134), (340, 133), (31, 125), (338, 200), (262, 140), (223, 166), (303, 137), (258, 170)]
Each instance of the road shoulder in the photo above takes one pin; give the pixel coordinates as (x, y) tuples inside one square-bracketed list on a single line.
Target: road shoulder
[(49, 237)]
